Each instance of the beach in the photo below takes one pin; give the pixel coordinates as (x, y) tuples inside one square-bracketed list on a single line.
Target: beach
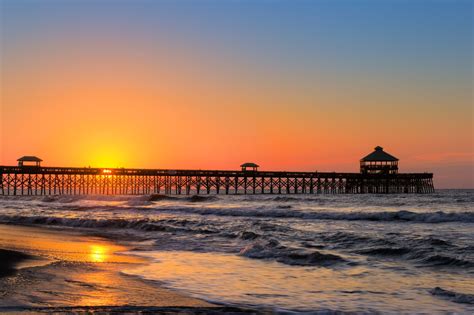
[(9, 260), (49, 270)]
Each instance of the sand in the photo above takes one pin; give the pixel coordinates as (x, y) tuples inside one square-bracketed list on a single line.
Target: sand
[(9, 259), (44, 269)]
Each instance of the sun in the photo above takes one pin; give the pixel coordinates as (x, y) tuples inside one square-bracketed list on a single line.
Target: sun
[(106, 156)]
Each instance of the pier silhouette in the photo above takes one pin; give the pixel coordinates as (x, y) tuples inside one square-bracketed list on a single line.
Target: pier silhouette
[(378, 174)]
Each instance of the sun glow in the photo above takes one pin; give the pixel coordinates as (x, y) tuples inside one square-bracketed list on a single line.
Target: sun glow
[(106, 157), (98, 253)]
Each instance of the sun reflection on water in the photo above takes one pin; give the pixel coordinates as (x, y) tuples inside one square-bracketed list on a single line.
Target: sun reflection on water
[(98, 253)]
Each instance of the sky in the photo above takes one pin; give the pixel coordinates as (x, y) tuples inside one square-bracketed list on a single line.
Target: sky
[(290, 85)]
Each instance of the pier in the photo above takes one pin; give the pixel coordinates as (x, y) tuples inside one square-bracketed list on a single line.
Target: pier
[(378, 175), (120, 181)]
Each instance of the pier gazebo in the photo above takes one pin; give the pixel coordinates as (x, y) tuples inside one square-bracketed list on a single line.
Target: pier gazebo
[(379, 162), (34, 160), (253, 167)]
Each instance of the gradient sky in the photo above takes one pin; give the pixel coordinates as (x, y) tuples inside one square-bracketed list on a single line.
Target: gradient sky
[(291, 85)]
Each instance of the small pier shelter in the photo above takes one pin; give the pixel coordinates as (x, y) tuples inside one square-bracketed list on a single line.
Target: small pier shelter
[(246, 167), (379, 162), (29, 160)]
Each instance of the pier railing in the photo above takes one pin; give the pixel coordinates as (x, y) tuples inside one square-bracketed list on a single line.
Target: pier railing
[(124, 181)]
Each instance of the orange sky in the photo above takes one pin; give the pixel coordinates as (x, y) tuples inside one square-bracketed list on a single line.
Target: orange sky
[(81, 98)]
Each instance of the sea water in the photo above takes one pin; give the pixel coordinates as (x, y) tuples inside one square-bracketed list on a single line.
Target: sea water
[(380, 253)]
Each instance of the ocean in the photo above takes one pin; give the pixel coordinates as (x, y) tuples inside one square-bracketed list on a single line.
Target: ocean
[(289, 253)]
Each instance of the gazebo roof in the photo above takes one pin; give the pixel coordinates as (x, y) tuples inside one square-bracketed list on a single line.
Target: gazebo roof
[(29, 158), (248, 164), (379, 155)]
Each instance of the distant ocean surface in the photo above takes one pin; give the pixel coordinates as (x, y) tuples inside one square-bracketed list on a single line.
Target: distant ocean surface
[(380, 253)]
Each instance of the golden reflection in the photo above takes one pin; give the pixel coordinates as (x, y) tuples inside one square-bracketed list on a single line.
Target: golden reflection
[(62, 246), (98, 253), (96, 293)]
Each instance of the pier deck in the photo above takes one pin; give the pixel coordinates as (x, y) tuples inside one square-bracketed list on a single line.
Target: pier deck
[(32, 180)]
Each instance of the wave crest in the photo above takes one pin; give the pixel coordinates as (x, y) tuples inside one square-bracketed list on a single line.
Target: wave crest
[(442, 260), (453, 296), (273, 250), (383, 216)]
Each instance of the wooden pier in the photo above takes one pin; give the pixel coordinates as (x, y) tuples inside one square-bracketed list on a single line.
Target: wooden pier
[(37, 180)]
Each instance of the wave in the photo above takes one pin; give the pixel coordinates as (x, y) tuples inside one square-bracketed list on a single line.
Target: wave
[(453, 296), (157, 197), (385, 251), (419, 255), (439, 260), (132, 200), (193, 198), (397, 216), (380, 216), (349, 239), (75, 198), (142, 224), (437, 241), (274, 251), (249, 235), (285, 199), (197, 198)]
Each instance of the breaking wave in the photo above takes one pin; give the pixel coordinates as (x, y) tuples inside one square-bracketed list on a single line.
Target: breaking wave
[(385, 251), (274, 251), (420, 255), (444, 260), (453, 296), (75, 198), (142, 224), (193, 198), (397, 216), (197, 198), (383, 216)]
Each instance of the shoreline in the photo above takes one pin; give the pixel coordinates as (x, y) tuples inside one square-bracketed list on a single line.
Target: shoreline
[(46, 270)]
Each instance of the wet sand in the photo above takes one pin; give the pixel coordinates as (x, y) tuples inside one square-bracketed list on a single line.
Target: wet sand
[(48, 270), (10, 259)]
